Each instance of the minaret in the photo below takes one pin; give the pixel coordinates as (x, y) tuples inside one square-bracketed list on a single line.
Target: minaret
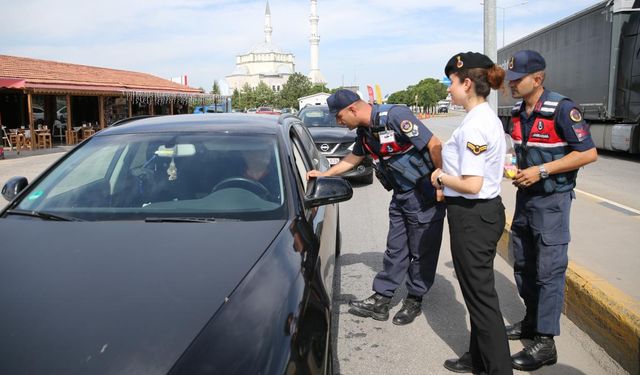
[(314, 75), (267, 25)]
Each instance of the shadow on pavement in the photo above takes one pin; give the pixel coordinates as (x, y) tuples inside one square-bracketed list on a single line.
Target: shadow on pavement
[(446, 316)]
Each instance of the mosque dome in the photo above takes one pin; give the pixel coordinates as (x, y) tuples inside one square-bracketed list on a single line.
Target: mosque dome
[(265, 48)]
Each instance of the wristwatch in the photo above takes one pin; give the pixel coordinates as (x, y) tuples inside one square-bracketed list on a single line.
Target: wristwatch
[(439, 179), (543, 172)]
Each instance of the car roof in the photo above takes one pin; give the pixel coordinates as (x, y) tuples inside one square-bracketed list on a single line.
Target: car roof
[(238, 122)]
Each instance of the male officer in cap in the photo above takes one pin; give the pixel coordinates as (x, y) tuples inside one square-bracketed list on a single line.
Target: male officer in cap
[(552, 141), (405, 153)]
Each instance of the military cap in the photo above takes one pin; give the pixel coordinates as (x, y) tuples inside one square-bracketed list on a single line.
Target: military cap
[(340, 100), (467, 60), (524, 62)]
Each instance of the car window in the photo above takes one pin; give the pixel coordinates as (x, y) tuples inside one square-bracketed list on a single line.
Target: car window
[(307, 142), (317, 117), (137, 176), (301, 168)]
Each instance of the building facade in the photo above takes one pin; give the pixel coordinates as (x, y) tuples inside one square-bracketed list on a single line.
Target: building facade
[(264, 63)]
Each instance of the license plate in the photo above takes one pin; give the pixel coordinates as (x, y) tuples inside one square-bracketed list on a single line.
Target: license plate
[(333, 161)]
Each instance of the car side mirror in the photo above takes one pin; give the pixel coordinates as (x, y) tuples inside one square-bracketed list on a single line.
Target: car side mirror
[(13, 187), (328, 190)]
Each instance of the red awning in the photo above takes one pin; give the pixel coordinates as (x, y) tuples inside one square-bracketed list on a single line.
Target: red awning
[(12, 83)]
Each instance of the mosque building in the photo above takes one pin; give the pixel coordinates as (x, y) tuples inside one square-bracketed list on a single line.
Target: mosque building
[(269, 64)]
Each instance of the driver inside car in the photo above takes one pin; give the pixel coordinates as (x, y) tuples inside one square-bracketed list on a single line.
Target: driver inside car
[(259, 166), (256, 172)]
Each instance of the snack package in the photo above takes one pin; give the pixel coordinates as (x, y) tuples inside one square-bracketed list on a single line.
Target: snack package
[(510, 166)]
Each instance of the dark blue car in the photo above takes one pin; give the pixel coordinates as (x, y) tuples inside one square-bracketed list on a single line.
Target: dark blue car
[(173, 244)]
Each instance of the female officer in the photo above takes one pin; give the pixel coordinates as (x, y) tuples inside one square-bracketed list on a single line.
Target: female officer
[(473, 162)]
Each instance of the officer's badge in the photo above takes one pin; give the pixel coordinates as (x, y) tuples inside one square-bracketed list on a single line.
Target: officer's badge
[(575, 115), (540, 125), (459, 64), (476, 149), (406, 126), (511, 62)]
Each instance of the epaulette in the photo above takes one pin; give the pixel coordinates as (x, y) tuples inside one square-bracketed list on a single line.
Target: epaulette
[(516, 108)]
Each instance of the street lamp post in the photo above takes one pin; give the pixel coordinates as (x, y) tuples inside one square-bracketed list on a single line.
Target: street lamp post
[(504, 15)]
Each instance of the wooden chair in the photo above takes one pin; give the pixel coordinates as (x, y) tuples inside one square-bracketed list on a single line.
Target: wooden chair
[(87, 132), (72, 137), (44, 139)]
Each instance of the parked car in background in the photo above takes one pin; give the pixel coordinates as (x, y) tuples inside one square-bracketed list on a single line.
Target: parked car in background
[(181, 244), (61, 114), (334, 141), (267, 111), (38, 115)]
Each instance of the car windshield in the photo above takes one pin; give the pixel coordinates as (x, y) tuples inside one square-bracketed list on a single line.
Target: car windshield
[(165, 175), (317, 117)]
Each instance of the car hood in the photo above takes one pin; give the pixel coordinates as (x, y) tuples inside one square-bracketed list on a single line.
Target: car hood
[(116, 297), (332, 134)]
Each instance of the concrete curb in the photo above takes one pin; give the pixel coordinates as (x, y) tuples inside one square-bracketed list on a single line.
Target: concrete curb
[(609, 316)]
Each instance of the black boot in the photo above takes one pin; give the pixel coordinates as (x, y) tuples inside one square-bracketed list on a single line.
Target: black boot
[(463, 364), (521, 330), (376, 307), (540, 353), (411, 308)]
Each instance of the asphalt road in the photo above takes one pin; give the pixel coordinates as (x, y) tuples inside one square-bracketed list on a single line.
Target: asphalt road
[(365, 346)]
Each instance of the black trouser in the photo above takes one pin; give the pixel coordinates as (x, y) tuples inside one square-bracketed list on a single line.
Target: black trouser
[(475, 226)]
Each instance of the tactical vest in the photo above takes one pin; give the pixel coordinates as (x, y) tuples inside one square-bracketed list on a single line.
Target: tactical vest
[(542, 144), (400, 164)]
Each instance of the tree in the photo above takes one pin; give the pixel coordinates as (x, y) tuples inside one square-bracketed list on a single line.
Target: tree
[(297, 86), (264, 95), (429, 91), (236, 100), (215, 90), (401, 97)]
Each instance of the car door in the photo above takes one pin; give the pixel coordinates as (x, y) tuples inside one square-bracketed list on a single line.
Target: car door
[(323, 220)]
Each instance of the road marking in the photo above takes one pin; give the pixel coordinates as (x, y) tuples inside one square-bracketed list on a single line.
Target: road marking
[(628, 209)]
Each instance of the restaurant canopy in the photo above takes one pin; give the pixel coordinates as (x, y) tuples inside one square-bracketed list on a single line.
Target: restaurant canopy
[(54, 77)]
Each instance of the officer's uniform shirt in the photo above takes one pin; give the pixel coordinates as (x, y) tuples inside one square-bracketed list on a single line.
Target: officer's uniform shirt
[(476, 148), (569, 123), (406, 127)]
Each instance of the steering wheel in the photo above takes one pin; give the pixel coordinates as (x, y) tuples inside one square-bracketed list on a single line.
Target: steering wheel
[(249, 184)]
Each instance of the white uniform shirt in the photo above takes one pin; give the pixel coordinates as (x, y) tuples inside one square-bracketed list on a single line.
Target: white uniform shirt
[(476, 148)]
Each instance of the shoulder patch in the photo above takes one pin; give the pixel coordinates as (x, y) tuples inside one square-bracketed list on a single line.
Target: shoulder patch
[(581, 130), (409, 129), (406, 126), (476, 149), (575, 115)]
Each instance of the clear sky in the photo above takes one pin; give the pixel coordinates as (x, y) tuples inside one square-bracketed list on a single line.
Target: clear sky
[(392, 43)]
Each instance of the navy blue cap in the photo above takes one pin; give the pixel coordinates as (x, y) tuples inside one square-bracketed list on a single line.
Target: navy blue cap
[(340, 100), (523, 63)]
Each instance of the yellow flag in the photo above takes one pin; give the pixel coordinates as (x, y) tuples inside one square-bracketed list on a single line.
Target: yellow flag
[(378, 94)]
